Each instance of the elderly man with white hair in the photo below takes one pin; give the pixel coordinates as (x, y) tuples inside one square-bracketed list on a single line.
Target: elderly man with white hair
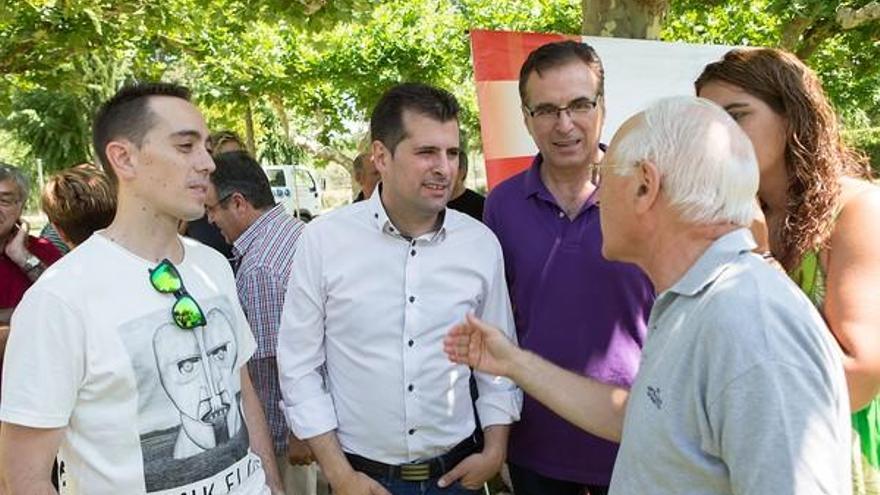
[(740, 387)]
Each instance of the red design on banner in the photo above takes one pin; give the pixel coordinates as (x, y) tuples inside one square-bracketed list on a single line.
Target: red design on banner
[(498, 56), (501, 169)]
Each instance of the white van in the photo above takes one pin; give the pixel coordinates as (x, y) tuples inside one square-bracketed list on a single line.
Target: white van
[(297, 188)]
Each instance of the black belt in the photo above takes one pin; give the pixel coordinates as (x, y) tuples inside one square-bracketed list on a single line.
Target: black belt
[(428, 469)]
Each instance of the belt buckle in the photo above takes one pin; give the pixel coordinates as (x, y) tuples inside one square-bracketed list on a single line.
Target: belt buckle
[(415, 472)]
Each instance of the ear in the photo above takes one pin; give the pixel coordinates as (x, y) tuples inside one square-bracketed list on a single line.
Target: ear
[(526, 123), (239, 202), (647, 185), (120, 154), (381, 157)]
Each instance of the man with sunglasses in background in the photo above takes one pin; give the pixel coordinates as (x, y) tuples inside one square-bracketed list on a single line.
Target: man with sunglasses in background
[(571, 306), (127, 357), (362, 369)]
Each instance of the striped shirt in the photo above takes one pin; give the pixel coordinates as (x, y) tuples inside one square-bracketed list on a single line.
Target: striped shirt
[(264, 255)]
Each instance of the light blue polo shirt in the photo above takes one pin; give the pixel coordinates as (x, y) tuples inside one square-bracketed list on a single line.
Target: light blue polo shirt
[(740, 388)]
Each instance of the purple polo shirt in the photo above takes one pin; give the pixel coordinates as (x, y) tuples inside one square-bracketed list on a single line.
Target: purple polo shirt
[(574, 308)]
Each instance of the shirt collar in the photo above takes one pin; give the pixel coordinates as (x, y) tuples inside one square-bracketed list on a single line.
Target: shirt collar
[(713, 261), (383, 224), (250, 234), (534, 186)]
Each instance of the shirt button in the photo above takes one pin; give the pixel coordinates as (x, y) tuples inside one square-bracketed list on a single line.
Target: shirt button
[(375, 215), (412, 298), (410, 388), (413, 252), (561, 214), (411, 342), (412, 431)]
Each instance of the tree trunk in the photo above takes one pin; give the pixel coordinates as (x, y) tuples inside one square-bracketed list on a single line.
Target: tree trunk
[(249, 128), (792, 32), (821, 30), (278, 106), (638, 19)]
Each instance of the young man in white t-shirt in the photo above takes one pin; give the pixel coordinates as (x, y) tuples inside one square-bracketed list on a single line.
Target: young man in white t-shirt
[(127, 358)]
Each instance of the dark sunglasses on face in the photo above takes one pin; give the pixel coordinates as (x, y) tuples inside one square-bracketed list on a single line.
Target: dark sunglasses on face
[(186, 312)]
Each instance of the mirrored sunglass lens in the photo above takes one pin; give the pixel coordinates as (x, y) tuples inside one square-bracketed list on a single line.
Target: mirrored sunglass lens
[(187, 313), (165, 278)]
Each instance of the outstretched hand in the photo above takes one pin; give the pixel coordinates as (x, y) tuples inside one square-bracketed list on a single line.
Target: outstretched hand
[(480, 346)]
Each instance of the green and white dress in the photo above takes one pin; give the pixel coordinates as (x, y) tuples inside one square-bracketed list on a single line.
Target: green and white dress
[(866, 422)]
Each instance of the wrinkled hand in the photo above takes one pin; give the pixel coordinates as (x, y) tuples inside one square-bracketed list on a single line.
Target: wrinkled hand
[(16, 246), (473, 471), (298, 451), (480, 346), (358, 483)]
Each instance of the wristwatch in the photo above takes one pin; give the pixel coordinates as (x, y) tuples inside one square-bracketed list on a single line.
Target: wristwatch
[(31, 262)]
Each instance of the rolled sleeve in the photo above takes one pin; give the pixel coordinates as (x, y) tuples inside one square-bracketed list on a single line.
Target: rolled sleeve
[(307, 405), (500, 400)]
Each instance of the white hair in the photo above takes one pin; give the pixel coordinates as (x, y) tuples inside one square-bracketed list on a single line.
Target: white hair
[(707, 164)]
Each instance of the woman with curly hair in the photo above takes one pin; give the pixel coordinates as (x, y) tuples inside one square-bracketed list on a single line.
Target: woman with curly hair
[(822, 215)]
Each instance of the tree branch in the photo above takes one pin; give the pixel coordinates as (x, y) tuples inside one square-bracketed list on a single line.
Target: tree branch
[(793, 31), (849, 18), (821, 30)]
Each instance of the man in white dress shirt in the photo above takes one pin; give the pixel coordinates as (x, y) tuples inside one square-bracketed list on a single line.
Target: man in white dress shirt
[(360, 356)]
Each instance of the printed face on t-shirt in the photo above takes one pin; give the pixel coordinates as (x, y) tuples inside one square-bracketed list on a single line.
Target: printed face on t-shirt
[(195, 368)]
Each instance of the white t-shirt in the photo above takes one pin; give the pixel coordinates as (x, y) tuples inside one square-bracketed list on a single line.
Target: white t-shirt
[(146, 407)]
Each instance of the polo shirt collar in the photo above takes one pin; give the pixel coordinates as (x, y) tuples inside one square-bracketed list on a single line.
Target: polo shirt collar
[(534, 186), (382, 223), (713, 261)]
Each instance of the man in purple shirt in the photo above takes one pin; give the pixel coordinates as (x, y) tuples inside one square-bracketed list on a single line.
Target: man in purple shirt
[(571, 306)]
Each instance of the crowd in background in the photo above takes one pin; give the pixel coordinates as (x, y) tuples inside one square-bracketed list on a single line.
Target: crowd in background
[(690, 306)]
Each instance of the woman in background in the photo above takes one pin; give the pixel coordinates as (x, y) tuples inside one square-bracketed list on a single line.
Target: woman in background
[(822, 216)]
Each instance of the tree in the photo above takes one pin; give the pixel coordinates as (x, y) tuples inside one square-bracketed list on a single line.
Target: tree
[(837, 38), (298, 78), (639, 19)]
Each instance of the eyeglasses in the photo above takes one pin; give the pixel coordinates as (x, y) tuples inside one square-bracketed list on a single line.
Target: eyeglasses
[(7, 201), (211, 208), (597, 170), (186, 312), (578, 107)]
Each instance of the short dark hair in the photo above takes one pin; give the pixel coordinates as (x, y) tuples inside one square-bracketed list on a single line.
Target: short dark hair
[(557, 54), (386, 122), (462, 152), (79, 201), (238, 172), (127, 114)]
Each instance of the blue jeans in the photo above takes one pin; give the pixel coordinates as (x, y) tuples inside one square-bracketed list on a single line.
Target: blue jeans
[(428, 487)]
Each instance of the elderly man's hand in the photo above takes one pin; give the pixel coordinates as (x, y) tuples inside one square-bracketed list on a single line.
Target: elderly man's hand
[(480, 346), (16, 246)]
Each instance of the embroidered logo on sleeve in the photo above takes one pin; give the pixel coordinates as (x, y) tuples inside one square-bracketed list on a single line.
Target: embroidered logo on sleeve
[(654, 395)]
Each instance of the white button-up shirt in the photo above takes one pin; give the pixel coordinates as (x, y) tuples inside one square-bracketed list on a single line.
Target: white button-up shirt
[(360, 348)]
